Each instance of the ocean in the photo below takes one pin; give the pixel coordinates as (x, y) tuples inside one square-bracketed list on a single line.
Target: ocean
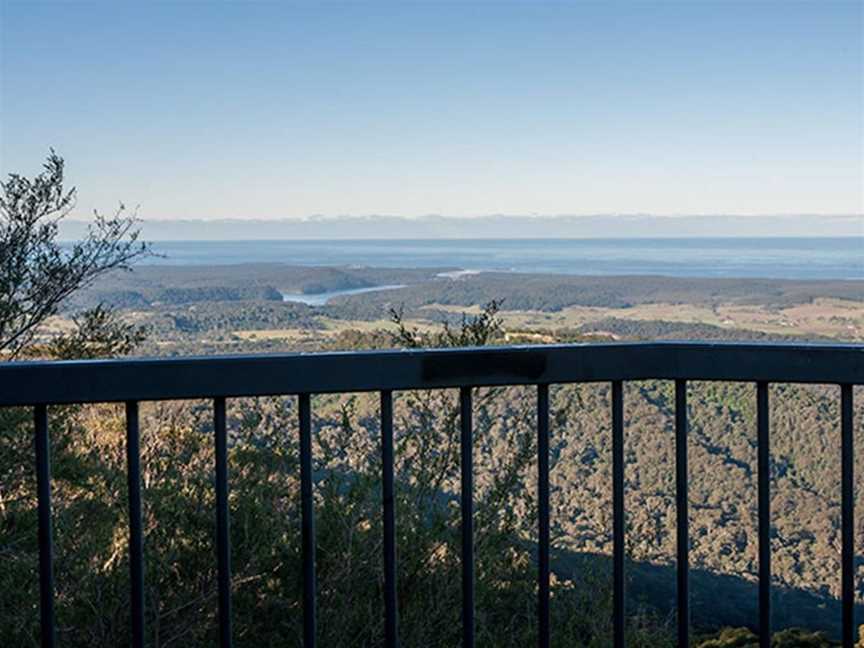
[(780, 258)]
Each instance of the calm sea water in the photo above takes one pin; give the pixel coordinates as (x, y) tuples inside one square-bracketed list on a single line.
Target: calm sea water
[(787, 258)]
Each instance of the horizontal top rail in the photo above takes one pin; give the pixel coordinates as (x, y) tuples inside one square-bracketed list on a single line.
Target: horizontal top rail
[(91, 381)]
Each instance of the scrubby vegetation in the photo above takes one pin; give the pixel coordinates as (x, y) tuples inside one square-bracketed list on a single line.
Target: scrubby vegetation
[(743, 638), (92, 571), (91, 543), (659, 330)]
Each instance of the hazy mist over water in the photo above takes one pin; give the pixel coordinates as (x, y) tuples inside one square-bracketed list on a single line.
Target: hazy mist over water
[(781, 258)]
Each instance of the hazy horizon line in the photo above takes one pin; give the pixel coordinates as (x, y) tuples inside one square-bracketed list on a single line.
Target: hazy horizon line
[(501, 226), (503, 216)]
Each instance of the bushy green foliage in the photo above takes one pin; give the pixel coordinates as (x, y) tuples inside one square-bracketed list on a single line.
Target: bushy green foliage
[(97, 333), (37, 272), (177, 456), (476, 330)]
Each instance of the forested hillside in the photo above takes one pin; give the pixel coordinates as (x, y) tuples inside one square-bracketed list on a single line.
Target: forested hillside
[(92, 571), (226, 309)]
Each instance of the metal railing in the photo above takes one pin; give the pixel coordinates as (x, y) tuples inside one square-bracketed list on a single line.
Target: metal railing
[(41, 384)]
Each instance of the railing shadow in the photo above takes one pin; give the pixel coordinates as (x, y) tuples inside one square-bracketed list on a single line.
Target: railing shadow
[(716, 600)]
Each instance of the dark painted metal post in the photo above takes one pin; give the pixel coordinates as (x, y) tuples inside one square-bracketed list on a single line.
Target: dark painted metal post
[(46, 544), (618, 530), (391, 610), (467, 496), (681, 504), (848, 511), (308, 528), (136, 528), (543, 516), (223, 527), (764, 476)]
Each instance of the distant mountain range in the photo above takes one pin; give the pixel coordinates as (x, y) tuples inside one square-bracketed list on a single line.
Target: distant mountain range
[(495, 226)]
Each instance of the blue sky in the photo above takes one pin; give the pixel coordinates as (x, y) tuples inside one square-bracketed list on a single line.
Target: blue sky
[(268, 110)]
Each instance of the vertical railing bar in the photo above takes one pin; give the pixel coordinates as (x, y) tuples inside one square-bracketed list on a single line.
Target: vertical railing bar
[(764, 478), (848, 513), (681, 504), (223, 527), (308, 522), (46, 545), (391, 612), (467, 501), (136, 529), (618, 532), (543, 516)]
